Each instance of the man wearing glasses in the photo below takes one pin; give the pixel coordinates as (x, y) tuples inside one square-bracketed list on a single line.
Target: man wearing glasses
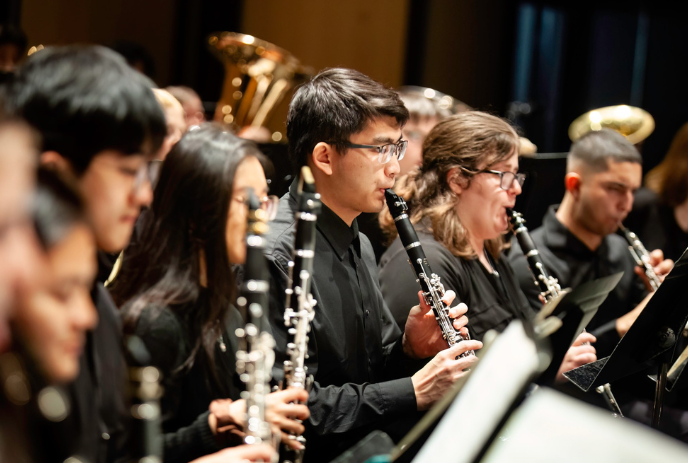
[(347, 129)]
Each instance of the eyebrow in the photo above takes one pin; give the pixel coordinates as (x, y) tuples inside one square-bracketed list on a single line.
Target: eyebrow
[(620, 184), (387, 140)]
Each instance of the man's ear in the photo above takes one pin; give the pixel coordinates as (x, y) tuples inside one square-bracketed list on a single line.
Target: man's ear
[(322, 157), (572, 181), (54, 160), (455, 181)]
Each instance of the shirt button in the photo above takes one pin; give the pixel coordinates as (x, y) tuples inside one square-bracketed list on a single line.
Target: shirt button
[(367, 313), (105, 436)]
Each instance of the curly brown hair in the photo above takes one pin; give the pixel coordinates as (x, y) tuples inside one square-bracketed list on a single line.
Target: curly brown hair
[(467, 142)]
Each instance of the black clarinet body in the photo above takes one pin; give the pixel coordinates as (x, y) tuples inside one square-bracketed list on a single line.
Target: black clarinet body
[(299, 305), (549, 286), (429, 282), (146, 441), (255, 360)]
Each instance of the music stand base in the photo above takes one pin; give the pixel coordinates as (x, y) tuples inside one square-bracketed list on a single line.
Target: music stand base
[(660, 388)]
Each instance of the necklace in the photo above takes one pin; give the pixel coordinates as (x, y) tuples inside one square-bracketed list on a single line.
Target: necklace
[(491, 263)]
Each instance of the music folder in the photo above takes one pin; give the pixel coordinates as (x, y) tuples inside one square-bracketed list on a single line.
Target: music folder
[(482, 400), (570, 314), (552, 427), (650, 340)]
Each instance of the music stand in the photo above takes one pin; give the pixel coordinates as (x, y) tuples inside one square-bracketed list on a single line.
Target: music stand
[(507, 366), (575, 310), (648, 343), (552, 427)]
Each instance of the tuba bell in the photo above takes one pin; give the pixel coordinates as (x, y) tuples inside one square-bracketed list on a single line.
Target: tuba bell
[(258, 75), (633, 123)]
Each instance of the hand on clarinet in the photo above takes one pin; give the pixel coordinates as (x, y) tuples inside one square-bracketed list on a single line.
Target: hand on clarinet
[(241, 454), (660, 265), (422, 335), (432, 381), (226, 416), (580, 353), (282, 413)]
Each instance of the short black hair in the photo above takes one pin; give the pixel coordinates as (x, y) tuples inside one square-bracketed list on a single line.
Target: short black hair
[(334, 105), (84, 100), (595, 148), (13, 35), (57, 207)]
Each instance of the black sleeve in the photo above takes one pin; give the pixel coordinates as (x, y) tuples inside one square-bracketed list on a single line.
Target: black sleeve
[(338, 409), (519, 265), (161, 332)]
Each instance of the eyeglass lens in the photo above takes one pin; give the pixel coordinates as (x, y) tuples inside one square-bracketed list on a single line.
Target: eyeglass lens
[(508, 179), (387, 151)]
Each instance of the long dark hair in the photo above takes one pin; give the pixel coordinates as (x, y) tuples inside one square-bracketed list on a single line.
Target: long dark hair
[(188, 217)]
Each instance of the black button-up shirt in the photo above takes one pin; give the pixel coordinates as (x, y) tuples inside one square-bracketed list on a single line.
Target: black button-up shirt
[(570, 261), (493, 301), (355, 351)]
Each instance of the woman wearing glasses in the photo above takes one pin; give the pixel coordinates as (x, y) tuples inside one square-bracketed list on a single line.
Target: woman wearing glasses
[(177, 287), (458, 202)]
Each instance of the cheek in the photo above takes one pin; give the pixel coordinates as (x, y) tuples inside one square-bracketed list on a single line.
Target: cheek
[(234, 236), (41, 329)]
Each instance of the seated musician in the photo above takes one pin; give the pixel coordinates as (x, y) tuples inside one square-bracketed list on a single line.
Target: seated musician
[(459, 195), (347, 129), (178, 287), (577, 243)]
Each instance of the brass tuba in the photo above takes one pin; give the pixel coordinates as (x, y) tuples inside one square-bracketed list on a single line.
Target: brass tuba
[(633, 123), (258, 75)]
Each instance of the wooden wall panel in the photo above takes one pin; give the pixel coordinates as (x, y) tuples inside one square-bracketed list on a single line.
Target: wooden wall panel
[(366, 35)]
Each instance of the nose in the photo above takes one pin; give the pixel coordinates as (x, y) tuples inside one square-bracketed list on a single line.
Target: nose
[(627, 202), (392, 168), (143, 196), (516, 188), (84, 316)]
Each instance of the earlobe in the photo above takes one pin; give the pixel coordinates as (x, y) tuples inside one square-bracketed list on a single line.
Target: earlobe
[(54, 160), (322, 157), (572, 182)]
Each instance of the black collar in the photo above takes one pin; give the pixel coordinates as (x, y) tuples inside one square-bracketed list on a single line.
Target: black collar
[(558, 237), (336, 231)]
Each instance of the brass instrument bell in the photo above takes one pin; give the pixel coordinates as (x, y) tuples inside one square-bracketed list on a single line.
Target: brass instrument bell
[(633, 123), (258, 75)]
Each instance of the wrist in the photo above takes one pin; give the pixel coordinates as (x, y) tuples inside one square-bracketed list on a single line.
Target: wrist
[(407, 348)]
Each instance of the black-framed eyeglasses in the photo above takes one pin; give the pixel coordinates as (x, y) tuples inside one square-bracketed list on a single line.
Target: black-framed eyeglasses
[(385, 152), (506, 179), (267, 203)]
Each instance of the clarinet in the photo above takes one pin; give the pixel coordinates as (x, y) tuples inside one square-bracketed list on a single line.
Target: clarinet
[(430, 284), (548, 285), (255, 360), (641, 256), (299, 304), (146, 443)]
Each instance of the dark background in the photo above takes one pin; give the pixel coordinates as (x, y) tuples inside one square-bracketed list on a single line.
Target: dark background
[(561, 58)]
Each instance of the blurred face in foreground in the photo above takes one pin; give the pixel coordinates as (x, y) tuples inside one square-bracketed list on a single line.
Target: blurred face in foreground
[(51, 321), (19, 252)]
